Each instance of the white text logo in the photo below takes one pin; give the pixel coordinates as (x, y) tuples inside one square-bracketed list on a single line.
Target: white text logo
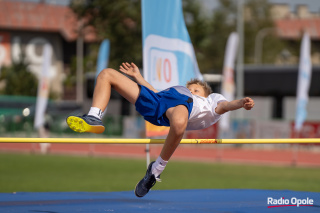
[(282, 202)]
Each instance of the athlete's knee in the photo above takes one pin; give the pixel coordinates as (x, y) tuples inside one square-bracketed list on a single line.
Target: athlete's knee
[(179, 124), (106, 74)]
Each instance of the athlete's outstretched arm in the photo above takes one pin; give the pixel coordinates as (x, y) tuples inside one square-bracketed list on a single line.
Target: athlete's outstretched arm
[(133, 71), (225, 106)]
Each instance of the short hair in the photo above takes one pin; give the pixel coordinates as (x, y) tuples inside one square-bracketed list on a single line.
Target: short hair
[(205, 85)]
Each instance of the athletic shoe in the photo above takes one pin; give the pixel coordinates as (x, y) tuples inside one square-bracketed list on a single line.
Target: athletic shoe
[(149, 180), (85, 123)]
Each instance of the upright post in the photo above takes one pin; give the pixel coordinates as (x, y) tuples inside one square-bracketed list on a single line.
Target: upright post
[(240, 74), (148, 154), (80, 66)]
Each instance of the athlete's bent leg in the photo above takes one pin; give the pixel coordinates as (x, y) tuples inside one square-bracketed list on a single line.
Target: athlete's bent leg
[(178, 117), (110, 78), (107, 79)]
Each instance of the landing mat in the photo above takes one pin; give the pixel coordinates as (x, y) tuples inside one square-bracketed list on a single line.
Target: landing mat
[(184, 201)]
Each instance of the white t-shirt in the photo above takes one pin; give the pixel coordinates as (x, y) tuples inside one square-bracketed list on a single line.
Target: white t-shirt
[(203, 113)]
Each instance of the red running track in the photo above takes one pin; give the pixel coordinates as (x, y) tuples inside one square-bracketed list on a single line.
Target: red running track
[(305, 156)]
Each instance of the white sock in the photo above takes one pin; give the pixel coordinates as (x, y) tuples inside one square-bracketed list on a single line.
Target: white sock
[(95, 112), (158, 166)]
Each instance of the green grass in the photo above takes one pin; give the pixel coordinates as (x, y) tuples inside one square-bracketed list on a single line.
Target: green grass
[(38, 173)]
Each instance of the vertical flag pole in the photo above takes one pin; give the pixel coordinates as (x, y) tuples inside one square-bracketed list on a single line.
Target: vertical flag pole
[(148, 154), (240, 78), (228, 89), (80, 66)]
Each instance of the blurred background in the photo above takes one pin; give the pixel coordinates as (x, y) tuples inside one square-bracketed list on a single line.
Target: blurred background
[(74, 30)]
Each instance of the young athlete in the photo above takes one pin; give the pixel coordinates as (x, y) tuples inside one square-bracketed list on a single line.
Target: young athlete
[(182, 108)]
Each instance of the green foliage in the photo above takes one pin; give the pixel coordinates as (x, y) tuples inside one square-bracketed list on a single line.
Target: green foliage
[(38, 173), (120, 22), (18, 79), (198, 26), (259, 18), (222, 23), (88, 66)]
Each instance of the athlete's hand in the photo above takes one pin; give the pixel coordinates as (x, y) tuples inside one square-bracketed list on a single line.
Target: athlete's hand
[(248, 103), (130, 69)]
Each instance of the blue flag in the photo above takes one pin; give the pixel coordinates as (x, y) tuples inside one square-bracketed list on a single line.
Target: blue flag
[(304, 78), (103, 57), (168, 54)]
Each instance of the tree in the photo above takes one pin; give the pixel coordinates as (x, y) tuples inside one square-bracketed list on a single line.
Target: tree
[(222, 23), (120, 22), (18, 79), (198, 26), (258, 18)]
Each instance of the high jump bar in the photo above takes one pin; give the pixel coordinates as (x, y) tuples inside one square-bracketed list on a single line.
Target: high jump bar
[(158, 141)]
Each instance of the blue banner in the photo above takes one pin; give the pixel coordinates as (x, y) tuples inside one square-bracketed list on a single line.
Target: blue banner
[(304, 78), (168, 54), (103, 57)]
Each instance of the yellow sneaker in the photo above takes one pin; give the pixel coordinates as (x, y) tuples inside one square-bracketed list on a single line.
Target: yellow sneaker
[(85, 123)]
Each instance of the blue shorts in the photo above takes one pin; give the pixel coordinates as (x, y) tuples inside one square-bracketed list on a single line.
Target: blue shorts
[(153, 106)]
